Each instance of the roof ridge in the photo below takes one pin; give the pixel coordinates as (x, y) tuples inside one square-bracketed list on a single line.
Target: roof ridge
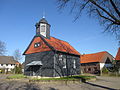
[(51, 47), (66, 46), (96, 53), (59, 39)]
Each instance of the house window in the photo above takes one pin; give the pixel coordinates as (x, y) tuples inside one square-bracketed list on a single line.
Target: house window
[(95, 68), (74, 64), (37, 44), (1, 64), (11, 64), (6, 64), (89, 69)]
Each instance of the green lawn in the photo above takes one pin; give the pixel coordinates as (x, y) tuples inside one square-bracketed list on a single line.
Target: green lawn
[(77, 77), (16, 76)]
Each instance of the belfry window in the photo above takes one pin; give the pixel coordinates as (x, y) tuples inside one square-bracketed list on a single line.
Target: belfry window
[(42, 28), (37, 44)]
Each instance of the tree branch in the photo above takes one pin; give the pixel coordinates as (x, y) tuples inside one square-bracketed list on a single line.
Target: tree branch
[(115, 8), (104, 16), (112, 16)]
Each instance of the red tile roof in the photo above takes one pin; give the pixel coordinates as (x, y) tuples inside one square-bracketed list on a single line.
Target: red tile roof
[(95, 57), (56, 44), (62, 46), (31, 49), (118, 55)]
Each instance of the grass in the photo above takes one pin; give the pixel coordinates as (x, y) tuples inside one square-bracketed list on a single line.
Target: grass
[(77, 77), (111, 75), (16, 76), (70, 78)]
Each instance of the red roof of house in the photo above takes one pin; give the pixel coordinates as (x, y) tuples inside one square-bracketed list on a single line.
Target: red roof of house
[(118, 55), (95, 57), (56, 44)]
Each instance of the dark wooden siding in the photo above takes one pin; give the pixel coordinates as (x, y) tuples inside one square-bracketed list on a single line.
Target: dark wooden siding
[(50, 60), (69, 70), (46, 58)]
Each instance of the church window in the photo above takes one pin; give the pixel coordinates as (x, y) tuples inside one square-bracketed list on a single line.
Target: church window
[(37, 44), (64, 63), (60, 57), (74, 64)]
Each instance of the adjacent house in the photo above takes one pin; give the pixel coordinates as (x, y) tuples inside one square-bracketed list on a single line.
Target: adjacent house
[(93, 63), (7, 63), (48, 56), (117, 58)]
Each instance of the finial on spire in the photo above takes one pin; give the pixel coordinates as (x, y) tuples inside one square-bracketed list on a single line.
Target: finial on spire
[(44, 14)]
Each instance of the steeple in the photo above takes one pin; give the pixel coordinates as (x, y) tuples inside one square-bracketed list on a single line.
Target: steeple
[(43, 28)]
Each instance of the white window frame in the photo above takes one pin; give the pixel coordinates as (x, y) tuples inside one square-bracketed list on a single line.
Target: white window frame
[(36, 44), (64, 62), (60, 57), (74, 63)]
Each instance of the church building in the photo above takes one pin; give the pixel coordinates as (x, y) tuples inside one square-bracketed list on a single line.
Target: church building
[(48, 56)]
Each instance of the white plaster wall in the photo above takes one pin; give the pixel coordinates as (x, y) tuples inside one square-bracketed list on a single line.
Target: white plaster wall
[(9, 66), (101, 65)]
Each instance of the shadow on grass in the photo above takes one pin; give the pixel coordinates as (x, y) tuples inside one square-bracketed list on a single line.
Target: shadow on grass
[(100, 86)]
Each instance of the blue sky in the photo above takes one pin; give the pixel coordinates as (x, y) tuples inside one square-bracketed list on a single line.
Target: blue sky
[(18, 19)]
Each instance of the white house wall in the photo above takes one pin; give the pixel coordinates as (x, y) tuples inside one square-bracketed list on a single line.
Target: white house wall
[(9, 67), (101, 65)]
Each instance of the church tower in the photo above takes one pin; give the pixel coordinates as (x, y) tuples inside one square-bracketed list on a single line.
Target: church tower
[(43, 28)]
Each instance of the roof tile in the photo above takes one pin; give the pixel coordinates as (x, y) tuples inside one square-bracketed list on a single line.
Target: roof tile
[(118, 55), (58, 45), (95, 57)]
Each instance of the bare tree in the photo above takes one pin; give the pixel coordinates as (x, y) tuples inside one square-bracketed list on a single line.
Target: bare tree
[(2, 48), (17, 55), (106, 11)]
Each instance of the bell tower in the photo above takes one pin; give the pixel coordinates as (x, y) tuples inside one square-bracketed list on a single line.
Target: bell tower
[(43, 28)]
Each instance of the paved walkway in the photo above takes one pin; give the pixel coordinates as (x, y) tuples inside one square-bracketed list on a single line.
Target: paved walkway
[(112, 83), (4, 76)]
